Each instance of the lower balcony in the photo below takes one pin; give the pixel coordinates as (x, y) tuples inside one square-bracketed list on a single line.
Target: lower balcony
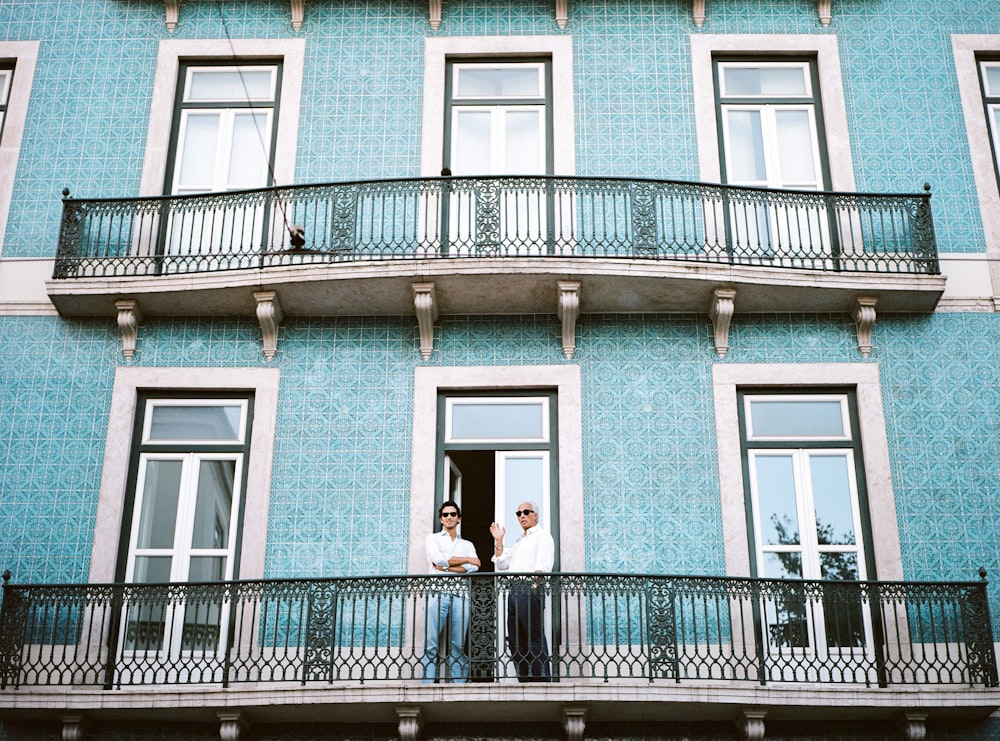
[(616, 647), (497, 245)]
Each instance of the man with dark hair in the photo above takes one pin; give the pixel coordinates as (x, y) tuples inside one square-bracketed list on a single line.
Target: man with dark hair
[(448, 609)]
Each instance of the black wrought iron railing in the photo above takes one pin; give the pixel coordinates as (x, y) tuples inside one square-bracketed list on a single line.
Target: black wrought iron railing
[(488, 217), (598, 627)]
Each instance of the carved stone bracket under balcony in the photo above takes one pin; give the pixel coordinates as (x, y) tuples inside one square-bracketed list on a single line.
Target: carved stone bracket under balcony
[(721, 312), (568, 312), (269, 315), (74, 726), (913, 726), (751, 725), (173, 12), (129, 318), (824, 8), (410, 722), (864, 320), (232, 725), (425, 304), (574, 722)]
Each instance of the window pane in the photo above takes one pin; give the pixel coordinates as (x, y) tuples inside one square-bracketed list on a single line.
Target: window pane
[(248, 159), (746, 146), (198, 151), (764, 81), (188, 422), (797, 419), (839, 566), (235, 83), (795, 148), (497, 421), (779, 519), (991, 78), (832, 497), (524, 139), (5, 75), (152, 569), (207, 568), (502, 82), (782, 566), (160, 494), (214, 504), (472, 150)]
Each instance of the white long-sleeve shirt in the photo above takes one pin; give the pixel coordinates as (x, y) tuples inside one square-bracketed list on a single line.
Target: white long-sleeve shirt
[(441, 547), (535, 551)]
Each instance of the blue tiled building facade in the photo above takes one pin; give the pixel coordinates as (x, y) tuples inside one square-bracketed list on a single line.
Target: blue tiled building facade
[(341, 473)]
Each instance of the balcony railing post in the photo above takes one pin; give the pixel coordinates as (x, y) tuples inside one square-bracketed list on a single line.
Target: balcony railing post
[(661, 635), (484, 607), (13, 611), (70, 248), (978, 632)]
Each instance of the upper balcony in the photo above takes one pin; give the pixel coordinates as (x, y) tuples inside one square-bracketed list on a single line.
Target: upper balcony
[(498, 245)]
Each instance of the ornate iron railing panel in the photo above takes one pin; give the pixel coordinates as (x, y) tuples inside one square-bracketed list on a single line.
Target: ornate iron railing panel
[(476, 217), (598, 627)]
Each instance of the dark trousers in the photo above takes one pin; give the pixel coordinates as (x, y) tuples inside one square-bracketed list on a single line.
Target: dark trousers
[(526, 633)]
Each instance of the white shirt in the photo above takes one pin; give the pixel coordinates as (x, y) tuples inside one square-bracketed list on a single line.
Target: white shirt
[(535, 551), (441, 547)]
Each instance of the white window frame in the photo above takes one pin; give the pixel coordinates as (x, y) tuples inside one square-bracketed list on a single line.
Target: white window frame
[(965, 48), (438, 50), (291, 52), (129, 382), (24, 55), (864, 378)]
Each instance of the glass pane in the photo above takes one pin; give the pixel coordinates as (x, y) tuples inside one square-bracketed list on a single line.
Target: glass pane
[(797, 419), (196, 169), (779, 519), (160, 493), (833, 499), (795, 148), (152, 569), (764, 81), (746, 147), (991, 78), (472, 147), (214, 505), (502, 82), (248, 159), (523, 482), (487, 421), (524, 140), (839, 566), (782, 566), (186, 422), (842, 605), (236, 83), (5, 75), (207, 568)]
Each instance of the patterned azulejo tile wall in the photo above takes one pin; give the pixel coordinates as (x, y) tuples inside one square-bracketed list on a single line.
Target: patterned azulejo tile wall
[(340, 502), (362, 92)]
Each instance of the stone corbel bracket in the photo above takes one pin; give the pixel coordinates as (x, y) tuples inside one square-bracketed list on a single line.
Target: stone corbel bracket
[(269, 315), (568, 312), (173, 13), (410, 722), (562, 13), (425, 305), (298, 14), (434, 10), (232, 725), (751, 725), (864, 320), (74, 726), (574, 723), (824, 8), (129, 317), (721, 312), (913, 726)]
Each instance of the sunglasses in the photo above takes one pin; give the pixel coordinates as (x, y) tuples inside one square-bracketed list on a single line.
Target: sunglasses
[(524, 512), (449, 514)]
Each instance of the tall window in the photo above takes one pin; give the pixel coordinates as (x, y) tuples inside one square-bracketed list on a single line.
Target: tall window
[(189, 465), (806, 509), (6, 75), (990, 76)]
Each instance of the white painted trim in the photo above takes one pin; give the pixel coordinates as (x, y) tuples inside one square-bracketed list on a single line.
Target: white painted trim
[(438, 49), (25, 56), (172, 51), (128, 382), (874, 443), (22, 286), (831, 85), (565, 379), (965, 48)]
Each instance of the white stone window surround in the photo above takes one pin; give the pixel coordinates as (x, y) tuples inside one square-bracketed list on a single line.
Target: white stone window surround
[(964, 48), (826, 50), (168, 60), (429, 381), (437, 50), (864, 377), (24, 55), (129, 382)]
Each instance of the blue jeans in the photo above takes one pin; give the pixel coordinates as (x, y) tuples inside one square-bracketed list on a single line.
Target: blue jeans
[(448, 613), (526, 633)]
